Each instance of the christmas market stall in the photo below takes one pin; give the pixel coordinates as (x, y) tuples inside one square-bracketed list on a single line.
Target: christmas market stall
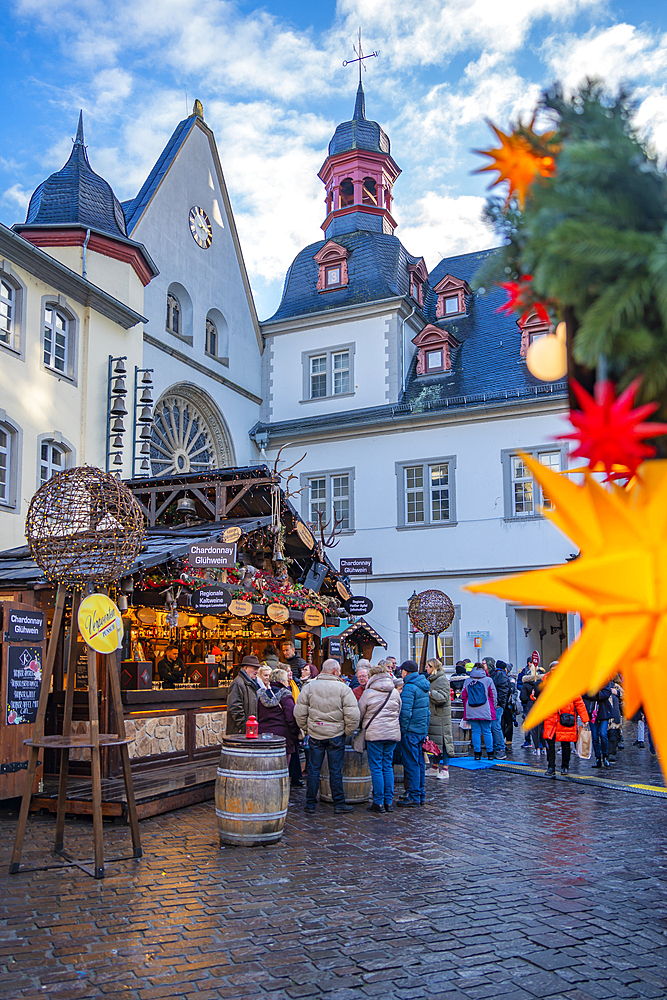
[(227, 567), (358, 641)]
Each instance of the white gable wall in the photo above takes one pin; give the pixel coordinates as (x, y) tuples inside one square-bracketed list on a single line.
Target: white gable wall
[(213, 279)]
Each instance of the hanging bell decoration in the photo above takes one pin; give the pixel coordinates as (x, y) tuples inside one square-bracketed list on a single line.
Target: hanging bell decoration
[(119, 409), (119, 367), (118, 458), (119, 388), (146, 396), (146, 417), (118, 427)]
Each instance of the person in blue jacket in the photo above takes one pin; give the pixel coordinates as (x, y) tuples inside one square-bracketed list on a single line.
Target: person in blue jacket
[(414, 719)]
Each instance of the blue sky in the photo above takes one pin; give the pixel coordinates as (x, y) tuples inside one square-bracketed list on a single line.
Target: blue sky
[(273, 87)]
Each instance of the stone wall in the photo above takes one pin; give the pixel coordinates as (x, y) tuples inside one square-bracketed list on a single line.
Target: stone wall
[(210, 728), (164, 734)]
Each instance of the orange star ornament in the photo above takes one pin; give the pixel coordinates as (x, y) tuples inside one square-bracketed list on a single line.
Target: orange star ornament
[(521, 157), (618, 585)]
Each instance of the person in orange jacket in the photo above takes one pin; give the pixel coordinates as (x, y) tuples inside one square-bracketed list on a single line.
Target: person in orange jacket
[(562, 725)]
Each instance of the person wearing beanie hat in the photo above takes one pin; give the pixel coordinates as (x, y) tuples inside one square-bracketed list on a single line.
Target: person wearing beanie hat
[(414, 720)]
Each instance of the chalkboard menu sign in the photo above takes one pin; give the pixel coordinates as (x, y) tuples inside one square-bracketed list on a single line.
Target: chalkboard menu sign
[(24, 680), (335, 651)]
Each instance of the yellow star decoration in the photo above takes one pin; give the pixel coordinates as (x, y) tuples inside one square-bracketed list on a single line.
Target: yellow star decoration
[(618, 585)]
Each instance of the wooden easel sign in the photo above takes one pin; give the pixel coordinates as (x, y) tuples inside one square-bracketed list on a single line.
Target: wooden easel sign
[(23, 631)]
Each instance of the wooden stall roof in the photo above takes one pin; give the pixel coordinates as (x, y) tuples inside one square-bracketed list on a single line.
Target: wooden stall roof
[(224, 498), (361, 631)]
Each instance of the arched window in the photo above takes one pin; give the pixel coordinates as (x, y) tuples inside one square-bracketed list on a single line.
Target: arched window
[(53, 459), (369, 193), (7, 312), (346, 193), (211, 338), (56, 339), (173, 323), (5, 462)]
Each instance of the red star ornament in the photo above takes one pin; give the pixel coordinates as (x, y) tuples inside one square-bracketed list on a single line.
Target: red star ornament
[(610, 432), (518, 300)]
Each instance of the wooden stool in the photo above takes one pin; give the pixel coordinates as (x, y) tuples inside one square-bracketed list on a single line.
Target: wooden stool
[(94, 740)]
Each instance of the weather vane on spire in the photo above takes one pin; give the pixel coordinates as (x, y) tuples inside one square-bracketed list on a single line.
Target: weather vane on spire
[(360, 56)]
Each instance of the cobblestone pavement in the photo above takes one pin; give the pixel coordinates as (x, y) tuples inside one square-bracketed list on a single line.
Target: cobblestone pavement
[(502, 887)]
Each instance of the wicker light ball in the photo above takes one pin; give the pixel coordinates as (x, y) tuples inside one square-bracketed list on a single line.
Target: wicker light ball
[(84, 526), (431, 612)]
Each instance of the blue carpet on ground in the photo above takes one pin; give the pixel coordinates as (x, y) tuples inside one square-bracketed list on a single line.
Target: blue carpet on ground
[(470, 764)]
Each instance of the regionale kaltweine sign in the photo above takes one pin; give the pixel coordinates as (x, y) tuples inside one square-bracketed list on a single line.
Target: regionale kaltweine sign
[(214, 598)]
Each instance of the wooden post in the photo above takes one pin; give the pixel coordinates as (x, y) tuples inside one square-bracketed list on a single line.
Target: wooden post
[(96, 778), (424, 656), (67, 723), (113, 674), (38, 730)]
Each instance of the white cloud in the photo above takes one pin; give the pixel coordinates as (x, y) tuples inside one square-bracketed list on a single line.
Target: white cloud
[(16, 195), (443, 225), (618, 54)]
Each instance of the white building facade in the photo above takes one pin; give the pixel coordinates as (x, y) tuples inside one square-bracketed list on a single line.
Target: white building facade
[(411, 398)]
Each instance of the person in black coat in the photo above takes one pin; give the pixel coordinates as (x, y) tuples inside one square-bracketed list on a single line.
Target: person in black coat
[(600, 711)]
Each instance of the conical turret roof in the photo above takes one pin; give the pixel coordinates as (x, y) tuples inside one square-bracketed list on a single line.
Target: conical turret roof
[(76, 195)]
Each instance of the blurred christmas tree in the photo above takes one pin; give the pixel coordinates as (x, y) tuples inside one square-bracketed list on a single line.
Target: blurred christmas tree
[(586, 218)]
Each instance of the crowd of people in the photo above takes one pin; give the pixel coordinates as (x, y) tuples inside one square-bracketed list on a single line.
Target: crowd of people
[(400, 715)]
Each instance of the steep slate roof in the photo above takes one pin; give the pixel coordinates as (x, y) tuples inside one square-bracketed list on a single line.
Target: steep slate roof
[(359, 133), (377, 269), (76, 195), (134, 208), (488, 357)]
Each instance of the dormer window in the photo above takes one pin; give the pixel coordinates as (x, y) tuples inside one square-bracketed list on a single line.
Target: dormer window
[(418, 275), (451, 294), (434, 348), (332, 261), (434, 361), (532, 329)]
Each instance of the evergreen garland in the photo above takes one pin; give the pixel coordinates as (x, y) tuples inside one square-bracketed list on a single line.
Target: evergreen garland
[(594, 238)]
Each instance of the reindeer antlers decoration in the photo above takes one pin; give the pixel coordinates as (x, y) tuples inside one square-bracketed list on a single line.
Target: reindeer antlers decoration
[(292, 476), (329, 543)]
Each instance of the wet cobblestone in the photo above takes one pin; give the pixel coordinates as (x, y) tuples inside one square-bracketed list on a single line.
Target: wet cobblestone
[(502, 887)]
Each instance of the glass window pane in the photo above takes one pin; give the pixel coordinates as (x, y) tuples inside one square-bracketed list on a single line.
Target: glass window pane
[(414, 494), (552, 460), (433, 360), (451, 305), (340, 491), (440, 492), (317, 499), (5, 442), (341, 372), (318, 377)]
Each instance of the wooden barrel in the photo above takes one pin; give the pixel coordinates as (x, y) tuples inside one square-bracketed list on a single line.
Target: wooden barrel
[(356, 777), (251, 790)]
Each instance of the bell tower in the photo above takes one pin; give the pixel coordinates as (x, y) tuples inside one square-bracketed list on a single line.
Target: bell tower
[(359, 174)]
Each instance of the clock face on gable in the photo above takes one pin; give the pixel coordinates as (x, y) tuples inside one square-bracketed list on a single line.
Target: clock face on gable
[(200, 227)]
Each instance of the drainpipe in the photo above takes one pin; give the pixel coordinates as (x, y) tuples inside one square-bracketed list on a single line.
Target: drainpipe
[(85, 247), (414, 310)]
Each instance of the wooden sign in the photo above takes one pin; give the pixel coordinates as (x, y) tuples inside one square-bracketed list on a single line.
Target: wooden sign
[(343, 591), (304, 534), (313, 617), (234, 625), (208, 621), (232, 534), (146, 616), (240, 608), (257, 626), (277, 612), (277, 630)]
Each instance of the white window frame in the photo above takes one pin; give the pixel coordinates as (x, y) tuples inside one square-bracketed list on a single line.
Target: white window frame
[(446, 299), (428, 490), (329, 476), (6, 458), (53, 447), (53, 313), (508, 455), (329, 356), (8, 306), (10, 503), (15, 344), (58, 304)]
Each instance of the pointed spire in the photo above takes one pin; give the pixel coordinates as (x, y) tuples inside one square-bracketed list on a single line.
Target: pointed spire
[(360, 105), (79, 131)]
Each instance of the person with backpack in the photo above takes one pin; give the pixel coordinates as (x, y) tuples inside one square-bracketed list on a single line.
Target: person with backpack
[(480, 700), (599, 708), (414, 720)]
